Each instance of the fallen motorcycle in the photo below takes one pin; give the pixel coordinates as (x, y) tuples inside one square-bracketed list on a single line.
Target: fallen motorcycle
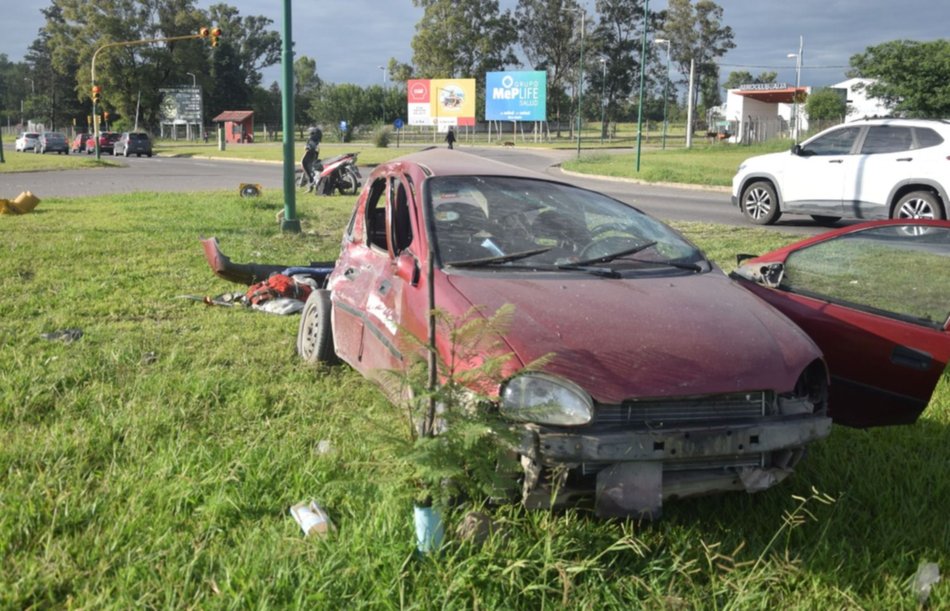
[(339, 174)]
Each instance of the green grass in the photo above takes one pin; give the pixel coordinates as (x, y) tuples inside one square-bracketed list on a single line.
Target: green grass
[(152, 463), (707, 165), (31, 162)]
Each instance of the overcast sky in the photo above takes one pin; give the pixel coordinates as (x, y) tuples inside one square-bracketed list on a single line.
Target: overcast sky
[(350, 39)]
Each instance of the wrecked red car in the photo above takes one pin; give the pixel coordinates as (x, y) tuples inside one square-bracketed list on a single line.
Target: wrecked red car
[(874, 297), (664, 378)]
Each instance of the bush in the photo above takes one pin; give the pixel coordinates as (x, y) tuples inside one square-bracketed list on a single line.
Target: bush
[(382, 136)]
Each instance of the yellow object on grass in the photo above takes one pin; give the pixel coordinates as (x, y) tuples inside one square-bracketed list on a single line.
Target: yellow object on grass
[(24, 203)]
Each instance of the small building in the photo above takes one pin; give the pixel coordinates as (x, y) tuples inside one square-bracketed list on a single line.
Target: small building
[(238, 125), (760, 111), (859, 104)]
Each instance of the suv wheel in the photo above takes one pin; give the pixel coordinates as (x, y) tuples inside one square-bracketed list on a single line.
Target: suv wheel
[(760, 204), (918, 205)]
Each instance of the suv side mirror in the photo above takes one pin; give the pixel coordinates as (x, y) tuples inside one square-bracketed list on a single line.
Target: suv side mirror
[(797, 150)]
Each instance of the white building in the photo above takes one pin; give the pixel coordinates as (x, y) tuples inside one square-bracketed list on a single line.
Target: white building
[(860, 106), (760, 111)]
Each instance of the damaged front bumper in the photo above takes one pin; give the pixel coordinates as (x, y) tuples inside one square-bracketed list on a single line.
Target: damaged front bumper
[(633, 471)]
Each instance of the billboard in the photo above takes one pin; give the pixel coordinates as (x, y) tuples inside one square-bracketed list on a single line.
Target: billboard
[(441, 102), (181, 105), (516, 96)]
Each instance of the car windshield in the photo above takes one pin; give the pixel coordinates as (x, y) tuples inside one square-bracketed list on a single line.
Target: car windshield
[(523, 223)]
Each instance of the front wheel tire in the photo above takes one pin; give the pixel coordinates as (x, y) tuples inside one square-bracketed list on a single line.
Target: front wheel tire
[(315, 337), (918, 205), (760, 203)]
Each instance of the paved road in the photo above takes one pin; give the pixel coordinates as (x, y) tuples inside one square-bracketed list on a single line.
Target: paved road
[(188, 174)]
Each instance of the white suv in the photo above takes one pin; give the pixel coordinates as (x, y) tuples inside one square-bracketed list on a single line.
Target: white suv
[(871, 169)]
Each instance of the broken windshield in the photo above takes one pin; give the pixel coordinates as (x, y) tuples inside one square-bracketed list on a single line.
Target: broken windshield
[(478, 220)]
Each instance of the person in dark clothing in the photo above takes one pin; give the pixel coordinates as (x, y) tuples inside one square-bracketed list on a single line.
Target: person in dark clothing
[(312, 154), (450, 137)]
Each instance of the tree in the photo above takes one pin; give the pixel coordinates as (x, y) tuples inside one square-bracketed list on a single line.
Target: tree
[(398, 71), (336, 103), (619, 38), (913, 78), (306, 84), (462, 38), (255, 47), (825, 105), (697, 34), (547, 38), (738, 78)]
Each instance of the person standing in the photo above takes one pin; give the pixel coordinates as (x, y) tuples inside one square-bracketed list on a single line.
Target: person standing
[(450, 137), (312, 153)]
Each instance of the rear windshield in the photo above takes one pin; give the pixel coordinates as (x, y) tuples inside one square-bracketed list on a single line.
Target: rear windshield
[(138, 136)]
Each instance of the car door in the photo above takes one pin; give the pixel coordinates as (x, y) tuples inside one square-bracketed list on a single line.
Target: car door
[(814, 178), (884, 160), (876, 300)]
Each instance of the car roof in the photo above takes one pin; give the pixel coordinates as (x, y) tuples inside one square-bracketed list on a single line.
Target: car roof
[(901, 121)]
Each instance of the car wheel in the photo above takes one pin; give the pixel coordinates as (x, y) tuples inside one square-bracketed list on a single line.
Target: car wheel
[(760, 204), (149, 155), (125, 153), (825, 220), (918, 205), (315, 337)]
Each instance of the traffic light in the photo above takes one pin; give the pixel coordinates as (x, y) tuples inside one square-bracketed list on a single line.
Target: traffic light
[(215, 33), (105, 115), (96, 94), (204, 32)]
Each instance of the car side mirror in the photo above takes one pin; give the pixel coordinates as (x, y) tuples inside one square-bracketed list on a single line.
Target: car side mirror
[(407, 268), (797, 150)]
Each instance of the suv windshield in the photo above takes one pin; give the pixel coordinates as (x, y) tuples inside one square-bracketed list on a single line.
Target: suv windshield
[(523, 223)]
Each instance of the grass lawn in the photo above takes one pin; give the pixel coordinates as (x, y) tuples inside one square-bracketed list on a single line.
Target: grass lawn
[(273, 151), (31, 162), (709, 165), (152, 462)]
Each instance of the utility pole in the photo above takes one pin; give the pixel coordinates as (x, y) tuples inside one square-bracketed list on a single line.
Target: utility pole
[(643, 59)]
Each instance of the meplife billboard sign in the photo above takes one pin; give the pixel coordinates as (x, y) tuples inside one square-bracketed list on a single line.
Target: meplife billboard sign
[(516, 96), (441, 102)]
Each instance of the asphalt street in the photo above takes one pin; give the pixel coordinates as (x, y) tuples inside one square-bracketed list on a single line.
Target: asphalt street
[(165, 174)]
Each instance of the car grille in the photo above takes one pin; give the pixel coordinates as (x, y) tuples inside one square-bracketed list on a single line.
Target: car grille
[(663, 413)]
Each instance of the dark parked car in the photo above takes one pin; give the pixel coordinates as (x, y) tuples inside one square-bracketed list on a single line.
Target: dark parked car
[(132, 143), (106, 142), (662, 379), (875, 297), (52, 142)]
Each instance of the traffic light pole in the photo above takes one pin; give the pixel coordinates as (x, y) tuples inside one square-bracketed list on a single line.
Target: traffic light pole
[(204, 33)]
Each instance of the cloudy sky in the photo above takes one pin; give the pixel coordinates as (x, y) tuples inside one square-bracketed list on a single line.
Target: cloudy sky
[(350, 39)]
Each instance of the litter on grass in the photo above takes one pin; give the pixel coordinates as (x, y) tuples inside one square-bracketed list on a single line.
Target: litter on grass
[(313, 520), (22, 204)]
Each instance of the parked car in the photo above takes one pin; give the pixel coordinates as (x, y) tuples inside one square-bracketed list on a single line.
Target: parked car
[(132, 143), (884, 331), (106, 142), (26, 142), (871, 169), (51, 142), (663, 377), (78, 144)]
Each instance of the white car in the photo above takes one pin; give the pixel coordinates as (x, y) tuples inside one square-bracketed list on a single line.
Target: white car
[(870, 169), (26, 142)]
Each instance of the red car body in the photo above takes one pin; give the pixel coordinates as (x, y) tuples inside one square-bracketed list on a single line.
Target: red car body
[(694, 385), (106, 142), (879, 312)]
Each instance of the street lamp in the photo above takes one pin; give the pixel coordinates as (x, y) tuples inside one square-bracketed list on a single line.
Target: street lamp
[(194, 79), (643, 58), (580, 77), (383, 69), (666, 85), (798, 82), (32, 85), (603, 99)]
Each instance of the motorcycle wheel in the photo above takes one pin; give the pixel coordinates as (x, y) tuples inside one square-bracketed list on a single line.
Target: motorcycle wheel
[(348, 183)]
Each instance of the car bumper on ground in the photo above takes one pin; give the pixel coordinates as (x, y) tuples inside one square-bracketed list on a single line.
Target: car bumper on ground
[(634, 471)]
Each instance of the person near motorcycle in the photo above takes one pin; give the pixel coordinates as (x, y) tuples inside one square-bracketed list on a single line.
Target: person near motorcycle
[(311, 156)]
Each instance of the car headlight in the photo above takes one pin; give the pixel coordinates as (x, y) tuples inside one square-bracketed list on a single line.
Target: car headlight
[(546, 399)]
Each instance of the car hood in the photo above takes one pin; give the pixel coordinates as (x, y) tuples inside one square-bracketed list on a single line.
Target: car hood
[(768, 160), (646, 337)]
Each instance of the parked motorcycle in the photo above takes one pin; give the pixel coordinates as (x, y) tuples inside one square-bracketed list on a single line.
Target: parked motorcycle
[(336, 174)]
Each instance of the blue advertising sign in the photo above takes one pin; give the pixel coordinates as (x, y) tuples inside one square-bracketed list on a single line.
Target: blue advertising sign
[(516, 96)]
